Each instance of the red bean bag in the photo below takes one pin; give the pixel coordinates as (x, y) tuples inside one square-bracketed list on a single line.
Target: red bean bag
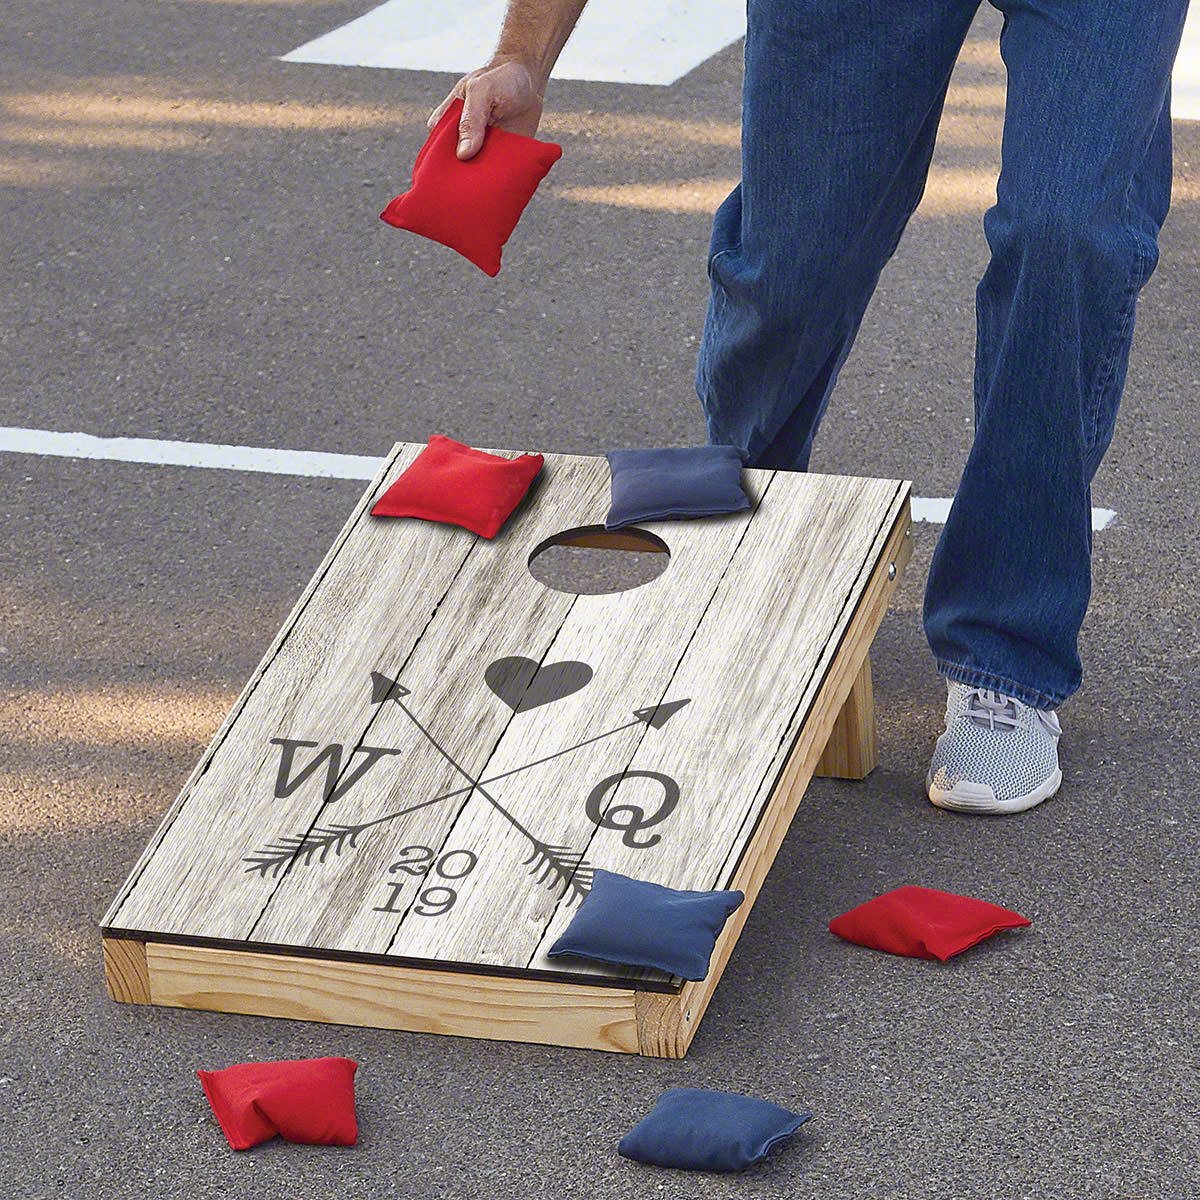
[(457, 485), (471, 205), (923, 923), (306, 1100)]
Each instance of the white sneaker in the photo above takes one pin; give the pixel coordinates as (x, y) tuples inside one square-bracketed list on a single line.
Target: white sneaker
[(997, 755)]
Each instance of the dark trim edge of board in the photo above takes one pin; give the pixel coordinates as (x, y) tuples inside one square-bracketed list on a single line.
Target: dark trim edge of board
[(385, 960)]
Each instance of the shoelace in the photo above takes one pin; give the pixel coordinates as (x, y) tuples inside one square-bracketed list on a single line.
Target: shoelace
[(986, 707)]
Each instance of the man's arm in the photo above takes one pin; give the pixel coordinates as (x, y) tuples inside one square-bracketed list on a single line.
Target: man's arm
[(509, 90), (537, 30)]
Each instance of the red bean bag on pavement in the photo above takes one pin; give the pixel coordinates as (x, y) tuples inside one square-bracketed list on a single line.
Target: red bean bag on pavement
[(305, 1100), (923, 923)]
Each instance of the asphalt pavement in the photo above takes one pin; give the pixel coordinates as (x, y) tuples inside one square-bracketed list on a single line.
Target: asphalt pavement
[(191, 250)]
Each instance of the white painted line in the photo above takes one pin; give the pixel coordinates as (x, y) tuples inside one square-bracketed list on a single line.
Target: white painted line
[(1185, 85), (312, 463), (616, 41), (188, 454), (936, 510), (933, 510), (652, 42)]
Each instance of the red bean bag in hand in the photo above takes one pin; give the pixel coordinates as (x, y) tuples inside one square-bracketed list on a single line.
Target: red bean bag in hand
[(306, 1100), (471, 205), (457, 485), (923, 923)]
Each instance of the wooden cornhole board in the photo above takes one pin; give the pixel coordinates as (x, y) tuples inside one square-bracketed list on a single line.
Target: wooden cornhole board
[(399, 816)]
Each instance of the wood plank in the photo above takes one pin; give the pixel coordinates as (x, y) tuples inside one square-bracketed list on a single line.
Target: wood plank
[(852, 751), (111, 916), (791, 589), (393, 997), (369, 611), (633, 641), (667, 1025), (494, 609), (125, 973)]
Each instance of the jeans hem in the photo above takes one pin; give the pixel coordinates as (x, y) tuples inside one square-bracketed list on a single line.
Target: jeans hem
[(976, 677)]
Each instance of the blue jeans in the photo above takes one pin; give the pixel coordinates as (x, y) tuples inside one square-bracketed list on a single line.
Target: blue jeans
[(841, 104)]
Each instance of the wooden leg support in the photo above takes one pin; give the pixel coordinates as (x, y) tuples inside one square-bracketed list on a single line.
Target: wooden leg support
[(126, 972), (853, 748)]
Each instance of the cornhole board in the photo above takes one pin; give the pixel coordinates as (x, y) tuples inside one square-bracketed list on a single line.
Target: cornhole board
[(405, 805)]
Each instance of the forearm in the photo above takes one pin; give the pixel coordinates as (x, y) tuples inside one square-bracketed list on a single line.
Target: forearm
[(535, 32)]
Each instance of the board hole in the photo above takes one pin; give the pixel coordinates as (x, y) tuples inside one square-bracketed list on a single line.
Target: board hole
[(594, 561)]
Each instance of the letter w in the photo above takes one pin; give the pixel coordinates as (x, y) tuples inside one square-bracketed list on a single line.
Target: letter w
[(286, 783)]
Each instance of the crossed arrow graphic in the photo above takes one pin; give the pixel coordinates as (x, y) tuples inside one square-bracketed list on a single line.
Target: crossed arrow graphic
[(551, 864)]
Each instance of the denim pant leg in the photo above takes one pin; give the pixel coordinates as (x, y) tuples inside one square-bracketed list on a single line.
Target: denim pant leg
[(1083, 189), (840, 106)]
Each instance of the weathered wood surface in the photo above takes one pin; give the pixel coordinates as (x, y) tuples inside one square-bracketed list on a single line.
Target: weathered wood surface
[(495, 608), (667, 1024), (633, 641), (393, 464), (780, 614), (195, 881), (745, 625)]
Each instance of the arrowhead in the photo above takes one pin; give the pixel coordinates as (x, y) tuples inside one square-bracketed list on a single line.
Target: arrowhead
[(660, 714), (382, 687)]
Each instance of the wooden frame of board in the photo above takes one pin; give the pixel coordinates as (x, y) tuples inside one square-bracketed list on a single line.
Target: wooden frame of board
[(186, 929)]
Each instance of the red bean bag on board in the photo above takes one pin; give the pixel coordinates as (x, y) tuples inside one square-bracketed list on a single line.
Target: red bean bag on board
[(457, 485)]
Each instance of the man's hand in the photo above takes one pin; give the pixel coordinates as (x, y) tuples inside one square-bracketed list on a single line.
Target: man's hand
[(508, 92)]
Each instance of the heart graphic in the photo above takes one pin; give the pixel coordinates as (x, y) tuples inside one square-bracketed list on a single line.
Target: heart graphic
[(523, 685)]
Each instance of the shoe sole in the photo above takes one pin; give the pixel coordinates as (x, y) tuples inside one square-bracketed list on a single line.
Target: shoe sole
[(967, 797)]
